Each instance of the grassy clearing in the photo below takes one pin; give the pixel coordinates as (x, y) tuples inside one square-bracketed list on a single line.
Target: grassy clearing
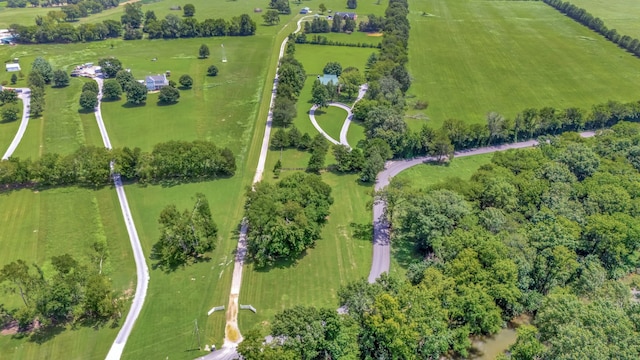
[(331, 120), (355, 133), (423, 176), (621, 15), (342, 255), (8, 130), (39, 225), (473, 57)]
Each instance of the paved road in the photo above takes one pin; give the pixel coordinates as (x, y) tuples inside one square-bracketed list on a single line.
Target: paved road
[(347, 121), (25, 96), (142, 271), (381, 243)]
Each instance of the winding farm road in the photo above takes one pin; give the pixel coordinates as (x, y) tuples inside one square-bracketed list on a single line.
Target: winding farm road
[(142, 271), (25, 96), (381, 239), (347, 121)]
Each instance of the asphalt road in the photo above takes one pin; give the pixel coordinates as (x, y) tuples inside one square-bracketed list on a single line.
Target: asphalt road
[(381, 238), (25, 96), (142, 271)]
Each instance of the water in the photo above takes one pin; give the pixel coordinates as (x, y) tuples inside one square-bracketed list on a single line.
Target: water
[(488, 348)]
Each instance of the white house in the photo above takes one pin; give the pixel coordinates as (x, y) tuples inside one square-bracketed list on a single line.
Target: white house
[(12, 67), (156, 82)]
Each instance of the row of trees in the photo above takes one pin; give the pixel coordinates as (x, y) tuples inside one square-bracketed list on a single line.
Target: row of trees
[(70, 292), (291, 78), (90, 166), (596, 24), (134, 23), (321, 25), (81, 8), (302, 38), (285, 218), (105, 4)]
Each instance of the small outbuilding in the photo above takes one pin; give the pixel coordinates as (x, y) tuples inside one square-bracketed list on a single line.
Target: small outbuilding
[(257, 10), (325, 79), (156, 82), (12, 67)]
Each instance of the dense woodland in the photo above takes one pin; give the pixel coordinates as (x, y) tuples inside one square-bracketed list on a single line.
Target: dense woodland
[(549, 232), (55, 27)]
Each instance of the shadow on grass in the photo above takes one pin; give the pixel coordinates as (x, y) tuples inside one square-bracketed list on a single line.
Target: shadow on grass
[(86, 111), (362, 232), (128, 105), (43, 335), (162, 103), (405, 253)]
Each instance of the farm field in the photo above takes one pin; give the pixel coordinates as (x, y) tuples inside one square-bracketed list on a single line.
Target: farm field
[(39, 225), (621, 15), (472, 57)]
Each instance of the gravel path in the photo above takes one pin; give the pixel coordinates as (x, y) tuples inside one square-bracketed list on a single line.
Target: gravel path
[(381, 240), (142, 271), (25, 96)]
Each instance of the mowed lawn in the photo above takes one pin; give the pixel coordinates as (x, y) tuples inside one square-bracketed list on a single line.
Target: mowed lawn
[(331, 120), (472, 57), (39, 225), (621, 15)]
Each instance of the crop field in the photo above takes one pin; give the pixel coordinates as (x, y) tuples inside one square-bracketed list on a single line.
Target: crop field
[(468, 58), (39, 225), (621, 15)]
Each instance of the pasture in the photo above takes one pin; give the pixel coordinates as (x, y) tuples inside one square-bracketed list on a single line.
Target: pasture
[(621, 15), (39, 225), (468, 58)]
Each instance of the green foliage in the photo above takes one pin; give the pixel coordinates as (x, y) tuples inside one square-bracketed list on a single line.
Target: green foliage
[(90, 86), (285, 218), (8, 97), (42, 67), (352, 4), (333, 68), (189, 10), (212, 70), (88, 100), (14, 79), (271, 17), (60, 78), (111, 89), (186, 81), (204, 52), (184, 236), (10, 113), (136, 93), (125, 79), (111, 66), (169, 95)]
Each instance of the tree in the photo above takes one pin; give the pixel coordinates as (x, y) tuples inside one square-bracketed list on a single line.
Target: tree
[(333, 68), (111, 66), (125, 78), (184, 236), (35, 80), (204, 51), (111, 89), (60, 78), (136, 93), (189, 10), (10, 114), (352, 4), (212, 70), (581, 160), (14, 79), (186, 81), (133, 15), (168, 95), (271, 17), (88, 100), (284, 111), (322, 8), (285, 218), (42, 66), (8, 97), (350, 81), (91, 86), (319, 94), (336, 24)]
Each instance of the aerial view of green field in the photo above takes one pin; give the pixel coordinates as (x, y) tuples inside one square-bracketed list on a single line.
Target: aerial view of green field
[(178, 202)]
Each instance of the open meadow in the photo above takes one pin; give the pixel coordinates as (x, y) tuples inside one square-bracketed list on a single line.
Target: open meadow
[(468, 58), (621, 15), (38, 225)]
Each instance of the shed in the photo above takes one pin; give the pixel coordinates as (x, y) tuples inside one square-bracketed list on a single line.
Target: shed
[(12, 67), (328, 78)]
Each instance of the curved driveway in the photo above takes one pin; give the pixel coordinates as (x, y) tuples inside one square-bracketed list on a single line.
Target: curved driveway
[(381, 240), (25, 96), (142, 271), (347, 121)]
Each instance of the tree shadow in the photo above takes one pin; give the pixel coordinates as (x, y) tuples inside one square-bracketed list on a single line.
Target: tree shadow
[(45, 334), (362, 232), (86, 111), (128, 105), (405, 253), (162, 103)]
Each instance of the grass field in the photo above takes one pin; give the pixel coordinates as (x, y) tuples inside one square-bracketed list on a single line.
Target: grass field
[(331, 120), (8, 129), (39, 225), (356, 133), (621, 15), (473, 57)]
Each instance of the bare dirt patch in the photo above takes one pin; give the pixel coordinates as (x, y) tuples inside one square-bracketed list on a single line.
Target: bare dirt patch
[(375, 34)]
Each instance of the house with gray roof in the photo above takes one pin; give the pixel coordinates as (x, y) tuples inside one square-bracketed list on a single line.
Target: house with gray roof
[(156, 82)]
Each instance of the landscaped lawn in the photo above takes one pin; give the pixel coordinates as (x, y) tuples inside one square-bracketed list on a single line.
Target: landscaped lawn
[(38, 225), (621, 15), (8, 129), (356, 133), (331, 120), (472, 57)]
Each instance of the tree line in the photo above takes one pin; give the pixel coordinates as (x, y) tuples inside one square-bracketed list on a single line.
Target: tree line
[(596, 24), (291, 78), (133, 25), (549, 232), (323, 40), (90, 166)]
